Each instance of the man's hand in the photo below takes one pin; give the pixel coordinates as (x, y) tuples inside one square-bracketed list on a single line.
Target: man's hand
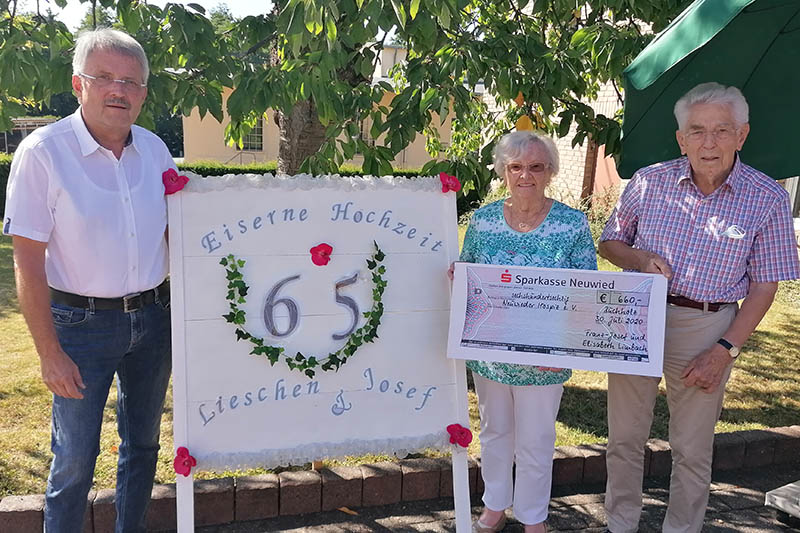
[(625, 256), (653, 263), (706, 370), (59, 372), (61, 375), (451, 271)]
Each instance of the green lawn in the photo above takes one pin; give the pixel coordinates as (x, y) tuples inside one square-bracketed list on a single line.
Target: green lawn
[(762, 393)]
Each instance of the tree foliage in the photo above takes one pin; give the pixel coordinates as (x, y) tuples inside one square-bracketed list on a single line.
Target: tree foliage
[(322, 54)]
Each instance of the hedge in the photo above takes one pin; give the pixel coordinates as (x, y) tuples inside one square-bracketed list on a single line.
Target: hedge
[(206, 168), (214, 168)]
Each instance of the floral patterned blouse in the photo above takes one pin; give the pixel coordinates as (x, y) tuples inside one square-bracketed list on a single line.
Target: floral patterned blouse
[(562, 240)]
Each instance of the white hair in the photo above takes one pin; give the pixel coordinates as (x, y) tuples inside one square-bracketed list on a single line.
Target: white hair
[(111, 40), (512, 145), (712, 93)]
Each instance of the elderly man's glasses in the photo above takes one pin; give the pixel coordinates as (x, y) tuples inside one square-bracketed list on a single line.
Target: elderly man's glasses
[(515, 169), (104, 81), (719, 134)]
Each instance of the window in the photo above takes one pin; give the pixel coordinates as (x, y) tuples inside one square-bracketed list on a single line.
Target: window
[(254, 141)]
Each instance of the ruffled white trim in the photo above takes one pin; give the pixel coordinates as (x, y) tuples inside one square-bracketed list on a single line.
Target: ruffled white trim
[(270, 458), (304, 182)]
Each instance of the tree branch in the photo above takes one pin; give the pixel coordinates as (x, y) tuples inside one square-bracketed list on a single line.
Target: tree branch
[(616, 89), (13, 14)]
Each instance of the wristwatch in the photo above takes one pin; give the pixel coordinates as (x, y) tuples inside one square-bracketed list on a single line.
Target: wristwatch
[(732, 350)]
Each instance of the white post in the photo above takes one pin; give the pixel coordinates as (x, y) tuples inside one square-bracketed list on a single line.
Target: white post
[(459, 457), (184, 485)]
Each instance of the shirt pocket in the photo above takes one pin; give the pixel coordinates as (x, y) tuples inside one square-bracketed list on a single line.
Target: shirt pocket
[(730, 243)]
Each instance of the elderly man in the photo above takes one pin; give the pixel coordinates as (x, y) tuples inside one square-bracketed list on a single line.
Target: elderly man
[(86, 210), (719, 231)]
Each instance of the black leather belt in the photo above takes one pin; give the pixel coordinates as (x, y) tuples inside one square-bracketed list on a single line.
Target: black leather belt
[(682, 301), (129, 303)]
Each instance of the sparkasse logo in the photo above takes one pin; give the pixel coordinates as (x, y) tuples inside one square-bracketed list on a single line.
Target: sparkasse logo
[(505, 277)]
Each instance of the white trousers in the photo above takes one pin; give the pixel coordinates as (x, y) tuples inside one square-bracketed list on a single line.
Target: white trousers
[(517, 421)]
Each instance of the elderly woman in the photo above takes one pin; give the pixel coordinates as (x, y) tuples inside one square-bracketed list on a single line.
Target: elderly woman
[(518, 403)]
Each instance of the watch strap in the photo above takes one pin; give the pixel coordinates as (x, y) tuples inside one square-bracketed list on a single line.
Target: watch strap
[(732, 350)]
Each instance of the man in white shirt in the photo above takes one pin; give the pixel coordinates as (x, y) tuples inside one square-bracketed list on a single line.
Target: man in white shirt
[(87, 214)]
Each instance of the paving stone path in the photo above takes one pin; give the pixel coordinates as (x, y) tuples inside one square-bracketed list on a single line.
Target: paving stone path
[(736, 505)]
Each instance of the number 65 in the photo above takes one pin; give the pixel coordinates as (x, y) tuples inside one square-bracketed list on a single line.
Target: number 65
[(291, 307)]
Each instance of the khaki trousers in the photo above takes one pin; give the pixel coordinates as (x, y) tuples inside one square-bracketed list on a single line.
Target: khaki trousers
[(692, 417)]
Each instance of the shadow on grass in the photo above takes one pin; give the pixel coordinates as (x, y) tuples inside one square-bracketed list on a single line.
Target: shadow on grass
[(762, 391), (11, 480), (585, 410)]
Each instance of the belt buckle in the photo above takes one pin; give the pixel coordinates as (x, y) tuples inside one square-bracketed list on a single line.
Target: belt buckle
[(132, 302)]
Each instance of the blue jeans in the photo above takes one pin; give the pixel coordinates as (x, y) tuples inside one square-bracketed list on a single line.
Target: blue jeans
[(137, 347)]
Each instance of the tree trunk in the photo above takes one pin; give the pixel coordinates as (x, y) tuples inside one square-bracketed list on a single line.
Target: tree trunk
[(301, 136)]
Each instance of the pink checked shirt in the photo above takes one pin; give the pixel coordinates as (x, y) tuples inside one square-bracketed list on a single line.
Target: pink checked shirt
[(715, 244)]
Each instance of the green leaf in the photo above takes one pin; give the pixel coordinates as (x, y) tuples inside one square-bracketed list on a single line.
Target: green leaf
[(566, 121), (414, 9), (400, 12), (330, 31)]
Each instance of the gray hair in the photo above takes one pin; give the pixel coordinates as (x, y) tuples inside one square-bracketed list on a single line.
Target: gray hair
[(110, 40), (512, 145), (712, 93)]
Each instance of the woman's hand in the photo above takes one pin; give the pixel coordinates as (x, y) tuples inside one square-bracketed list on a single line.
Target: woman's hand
[(451, 270), (549, 368)]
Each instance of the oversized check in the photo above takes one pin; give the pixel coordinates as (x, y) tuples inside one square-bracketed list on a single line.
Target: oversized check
[(586, 319)]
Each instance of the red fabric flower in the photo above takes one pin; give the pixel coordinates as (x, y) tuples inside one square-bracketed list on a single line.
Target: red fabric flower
[(449, 183), (173, 182), (183, 462), (321, 254), (459, 435)]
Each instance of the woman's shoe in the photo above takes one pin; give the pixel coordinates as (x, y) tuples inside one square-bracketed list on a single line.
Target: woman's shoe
[(480, 527)]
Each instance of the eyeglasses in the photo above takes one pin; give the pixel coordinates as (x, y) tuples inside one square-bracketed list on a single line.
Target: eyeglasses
[(719, 134), (515, 169), (104, 81)]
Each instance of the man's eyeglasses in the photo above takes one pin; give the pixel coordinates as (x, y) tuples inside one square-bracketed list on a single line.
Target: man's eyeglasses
[(104, 81), (719, 134), (515, 169)]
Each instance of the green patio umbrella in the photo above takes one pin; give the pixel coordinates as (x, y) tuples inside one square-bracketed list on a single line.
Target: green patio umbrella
[(751, 44)]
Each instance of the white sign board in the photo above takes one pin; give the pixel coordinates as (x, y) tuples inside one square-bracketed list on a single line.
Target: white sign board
[(555, 317), (305, 248)]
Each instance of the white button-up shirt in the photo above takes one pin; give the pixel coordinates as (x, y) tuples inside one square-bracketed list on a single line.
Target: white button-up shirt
[(103, 219)]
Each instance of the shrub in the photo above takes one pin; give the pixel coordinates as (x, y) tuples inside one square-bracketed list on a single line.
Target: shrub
[(598, 208), (5, 167), (210, 168), (215, 168)]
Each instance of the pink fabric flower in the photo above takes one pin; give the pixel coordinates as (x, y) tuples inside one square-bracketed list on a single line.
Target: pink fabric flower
[(183, 462), (459, 435), (173, 182), (321, 254), (449, 183)]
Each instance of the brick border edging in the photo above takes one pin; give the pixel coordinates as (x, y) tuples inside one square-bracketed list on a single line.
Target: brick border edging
[(220, 501)]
